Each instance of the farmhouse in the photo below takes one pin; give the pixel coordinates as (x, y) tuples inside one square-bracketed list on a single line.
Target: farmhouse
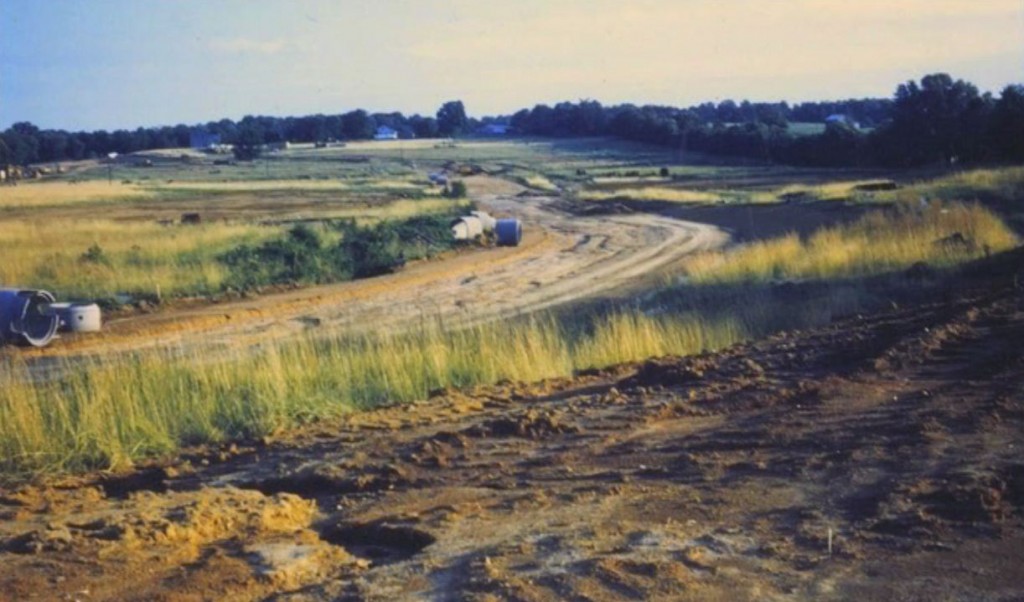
[(841, 119), (201, 139), (385, 133), (494, 129)]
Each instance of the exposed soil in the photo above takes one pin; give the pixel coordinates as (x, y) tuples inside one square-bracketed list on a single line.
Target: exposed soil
[(875, 459)]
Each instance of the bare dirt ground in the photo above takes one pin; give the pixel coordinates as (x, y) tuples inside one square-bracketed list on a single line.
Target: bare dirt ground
[(875, 459), (563, 258)]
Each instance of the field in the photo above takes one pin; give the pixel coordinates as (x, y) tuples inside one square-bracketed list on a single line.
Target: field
[(691, 352)]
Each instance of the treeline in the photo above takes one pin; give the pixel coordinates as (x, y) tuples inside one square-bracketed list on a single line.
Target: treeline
[(24, 143), (939, 120)]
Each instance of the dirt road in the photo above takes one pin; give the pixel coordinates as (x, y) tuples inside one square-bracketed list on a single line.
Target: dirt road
[(563, 258), (875, 459)]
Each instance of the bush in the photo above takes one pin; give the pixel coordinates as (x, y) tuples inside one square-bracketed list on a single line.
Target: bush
[(299, 257), (362, 252), (95, 254), (457, 190)]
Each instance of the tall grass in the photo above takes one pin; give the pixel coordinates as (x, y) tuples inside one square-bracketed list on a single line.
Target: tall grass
[(135, 257), (653, 193), (49, 194), (879, 242), (145, 257), (111, 413)]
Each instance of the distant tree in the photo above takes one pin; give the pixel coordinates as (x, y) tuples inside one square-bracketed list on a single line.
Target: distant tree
[(934, 122), (248, 140), (357, 125), (22, 140), (1006, 129), (451, 118), (771, 114), (728, 112), (423, 127)]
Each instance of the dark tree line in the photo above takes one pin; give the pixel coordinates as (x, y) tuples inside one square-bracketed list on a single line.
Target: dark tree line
[(936, 120), (939, 120), (24, 143)]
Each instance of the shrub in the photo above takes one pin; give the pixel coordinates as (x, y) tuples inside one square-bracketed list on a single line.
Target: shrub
[(457, 190), (95, 254), (362, 252)]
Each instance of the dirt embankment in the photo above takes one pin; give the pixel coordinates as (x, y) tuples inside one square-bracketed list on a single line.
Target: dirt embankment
[(876, 459)]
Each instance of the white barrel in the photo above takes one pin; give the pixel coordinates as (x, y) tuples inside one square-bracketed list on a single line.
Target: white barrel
[(486, 221), (467, 228), (78, 317)]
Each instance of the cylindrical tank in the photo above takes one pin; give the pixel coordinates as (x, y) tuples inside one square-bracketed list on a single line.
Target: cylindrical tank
[(486, 221), (467, 228), (508, 232), (26, 318), (78, 317)]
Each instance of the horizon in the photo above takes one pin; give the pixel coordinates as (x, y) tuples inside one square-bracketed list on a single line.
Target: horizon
[(194, 62)]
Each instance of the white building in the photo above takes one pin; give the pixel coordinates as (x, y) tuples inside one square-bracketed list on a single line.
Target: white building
[(385, 133)]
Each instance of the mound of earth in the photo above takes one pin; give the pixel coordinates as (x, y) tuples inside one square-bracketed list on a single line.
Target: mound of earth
[(875, 459)]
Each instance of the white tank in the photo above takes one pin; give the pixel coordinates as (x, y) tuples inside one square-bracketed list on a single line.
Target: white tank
[(467, 228), (78, 317), (486, 220)]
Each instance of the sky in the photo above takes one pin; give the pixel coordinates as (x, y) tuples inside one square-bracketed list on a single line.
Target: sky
[(111, 64)]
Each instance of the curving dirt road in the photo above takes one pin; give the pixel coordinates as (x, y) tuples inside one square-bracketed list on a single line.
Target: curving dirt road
[(563, 258)]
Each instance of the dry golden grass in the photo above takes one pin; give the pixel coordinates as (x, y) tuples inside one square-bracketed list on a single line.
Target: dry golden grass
[(540, 183), (110, 414), (354, 185), (1005, 183), (138, 257), (832, 191), (877, 243), (653, 193), (41, 194)]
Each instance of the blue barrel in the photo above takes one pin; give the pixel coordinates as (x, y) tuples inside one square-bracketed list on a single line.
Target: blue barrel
[(26, 318), (508, 232)]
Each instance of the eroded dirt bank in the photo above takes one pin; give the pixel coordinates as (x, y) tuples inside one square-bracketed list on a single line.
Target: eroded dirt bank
[(876, 459)]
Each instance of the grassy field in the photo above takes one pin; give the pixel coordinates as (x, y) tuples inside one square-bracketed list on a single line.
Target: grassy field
[(880, 242), (115, 412), (83, 237), (61, 193), (759, 186)]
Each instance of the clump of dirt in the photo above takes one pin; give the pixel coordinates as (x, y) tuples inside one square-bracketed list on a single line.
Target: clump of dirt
[(529, 424), (336, 479), (670, 372)]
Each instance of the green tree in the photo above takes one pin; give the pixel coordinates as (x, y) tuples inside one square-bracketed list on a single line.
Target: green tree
[(248, 140), (357, 125), (934, 122), (1007, 125), (451, 118)]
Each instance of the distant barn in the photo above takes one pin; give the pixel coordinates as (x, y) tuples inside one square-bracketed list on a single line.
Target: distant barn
[(494, 129), (385, 133), (201, 139), (841, 119)]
